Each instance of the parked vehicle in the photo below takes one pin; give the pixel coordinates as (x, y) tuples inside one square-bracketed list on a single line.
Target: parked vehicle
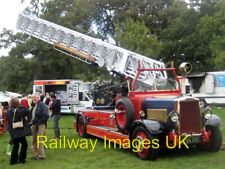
[(153, 114), (73, 94), (209, 86)]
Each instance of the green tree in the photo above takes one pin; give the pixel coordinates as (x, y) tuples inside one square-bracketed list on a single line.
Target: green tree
[(152, 12), (174, 30), (44, 62), (186, 39), (136, 37), (17, 74), (213, 28)]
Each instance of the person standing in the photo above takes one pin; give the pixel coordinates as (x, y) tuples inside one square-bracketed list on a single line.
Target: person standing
[(25, 103), (46, 100), (17, 113), (30, 102), (55, 107), (40, 117)]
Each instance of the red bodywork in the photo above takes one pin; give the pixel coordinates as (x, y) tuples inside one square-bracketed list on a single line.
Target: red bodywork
[(137, 97), (101, 124), (3, 122)]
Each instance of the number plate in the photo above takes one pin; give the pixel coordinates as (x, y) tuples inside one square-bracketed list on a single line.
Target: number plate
[(193, 139)]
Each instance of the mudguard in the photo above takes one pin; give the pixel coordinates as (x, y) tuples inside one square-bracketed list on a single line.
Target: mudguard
[(152, 126), (76, 117), (214, 121)]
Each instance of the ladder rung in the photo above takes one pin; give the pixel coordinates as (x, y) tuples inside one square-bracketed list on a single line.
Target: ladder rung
[(89, 49)]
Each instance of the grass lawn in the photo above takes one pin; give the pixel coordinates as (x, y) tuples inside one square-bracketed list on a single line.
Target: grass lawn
[(113, 158)]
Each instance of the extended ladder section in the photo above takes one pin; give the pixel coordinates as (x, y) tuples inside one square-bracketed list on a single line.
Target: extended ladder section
[(89, 49)]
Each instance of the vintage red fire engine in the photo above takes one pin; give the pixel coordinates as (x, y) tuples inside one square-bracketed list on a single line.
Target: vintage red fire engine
[(149, 113), (150, 117)]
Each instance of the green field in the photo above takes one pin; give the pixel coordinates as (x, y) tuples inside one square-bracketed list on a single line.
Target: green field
[(113, 158)]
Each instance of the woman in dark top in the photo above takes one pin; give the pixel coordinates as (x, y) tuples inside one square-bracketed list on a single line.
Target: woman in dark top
[(17, 134), (55, 107)]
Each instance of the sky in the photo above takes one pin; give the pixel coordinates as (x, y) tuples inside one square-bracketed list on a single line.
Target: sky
[(9, 10)]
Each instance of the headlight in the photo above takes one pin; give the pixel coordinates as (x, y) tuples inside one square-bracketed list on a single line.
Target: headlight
[(142, 113), (201, 104), (207, 113), (174, 116)]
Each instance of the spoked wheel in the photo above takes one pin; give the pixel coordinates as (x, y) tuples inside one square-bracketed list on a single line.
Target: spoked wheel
[(142, 144), (215, 140), (124, 114), (81, 127)]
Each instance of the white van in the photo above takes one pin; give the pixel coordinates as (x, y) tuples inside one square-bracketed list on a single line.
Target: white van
[(208, 85), (73, 94)]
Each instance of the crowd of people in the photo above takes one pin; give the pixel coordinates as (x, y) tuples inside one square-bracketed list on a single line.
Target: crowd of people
[(29, 117)]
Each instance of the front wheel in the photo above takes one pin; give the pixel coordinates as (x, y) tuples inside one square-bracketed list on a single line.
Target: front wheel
[(215, 140), (143, 144)]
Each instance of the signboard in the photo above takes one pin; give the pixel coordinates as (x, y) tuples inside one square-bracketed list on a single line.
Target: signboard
[(38, 89), (73, 92), (62, 96)]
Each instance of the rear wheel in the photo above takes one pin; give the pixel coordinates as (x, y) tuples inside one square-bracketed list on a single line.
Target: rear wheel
[(215, 140), (125, 114), (142, 144), (81, 127)]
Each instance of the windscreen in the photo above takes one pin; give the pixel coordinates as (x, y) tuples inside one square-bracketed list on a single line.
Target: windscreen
[(155, 81)]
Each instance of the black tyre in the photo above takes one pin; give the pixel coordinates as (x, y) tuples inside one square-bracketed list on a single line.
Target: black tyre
[(81, 127), (215, 140), (124, 114), (140, 135)]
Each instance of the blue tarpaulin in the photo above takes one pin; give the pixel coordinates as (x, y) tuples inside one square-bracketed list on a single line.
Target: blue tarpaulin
[(220, 80)]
